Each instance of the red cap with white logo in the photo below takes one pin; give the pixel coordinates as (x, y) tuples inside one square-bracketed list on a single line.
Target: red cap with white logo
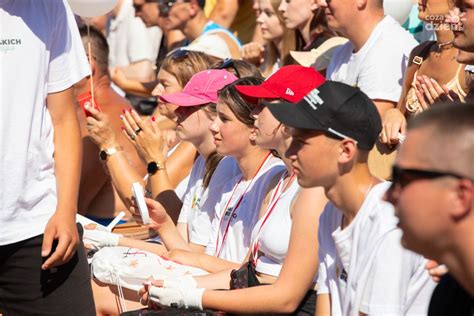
[(290, 83)]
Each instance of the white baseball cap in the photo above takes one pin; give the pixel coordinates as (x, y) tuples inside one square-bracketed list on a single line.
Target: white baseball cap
[(319, 58), (210, 44)]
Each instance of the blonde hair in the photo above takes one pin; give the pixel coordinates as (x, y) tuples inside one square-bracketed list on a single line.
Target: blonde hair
[(184, 67), (288, 44)]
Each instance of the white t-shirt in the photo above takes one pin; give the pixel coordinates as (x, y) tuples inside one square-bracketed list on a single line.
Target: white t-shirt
[(200, 229), (364, 267), (40, 53), (274, 237), (378, 67), (238, 235), (130, 40)]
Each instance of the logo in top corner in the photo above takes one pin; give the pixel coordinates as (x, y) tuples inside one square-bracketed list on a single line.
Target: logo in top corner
[(8, 44), (289, 92)]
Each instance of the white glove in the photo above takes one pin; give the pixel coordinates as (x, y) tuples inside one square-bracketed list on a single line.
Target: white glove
[(187, 298), (100, 239), (182, 282)]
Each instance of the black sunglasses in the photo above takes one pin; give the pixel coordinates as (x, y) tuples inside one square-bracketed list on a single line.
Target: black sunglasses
[(229, 63), (404, 177), (138, 7), (166, 5)]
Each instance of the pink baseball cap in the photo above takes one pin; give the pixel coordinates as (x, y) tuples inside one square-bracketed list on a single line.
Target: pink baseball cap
[(290, 83), (201, 88)]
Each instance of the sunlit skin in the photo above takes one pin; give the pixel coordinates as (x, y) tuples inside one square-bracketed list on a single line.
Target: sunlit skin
[(297, 13), (267, 127), (269, 22), (464, 38), (411, 209), (193, 122), (167, 83), (147, 11), (308, 147), (231, 136)]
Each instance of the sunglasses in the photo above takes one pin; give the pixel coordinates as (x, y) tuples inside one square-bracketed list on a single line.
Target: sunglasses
[(138, 7), (166, 5), (403, 177), (178, 53), (229, 63)]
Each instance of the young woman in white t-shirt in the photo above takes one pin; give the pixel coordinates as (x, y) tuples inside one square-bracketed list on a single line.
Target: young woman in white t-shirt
[(175, 72), (284, 246), (208, 174), (242, 193)]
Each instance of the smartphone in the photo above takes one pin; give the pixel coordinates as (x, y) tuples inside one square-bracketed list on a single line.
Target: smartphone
[(85, 99), (139, 195)]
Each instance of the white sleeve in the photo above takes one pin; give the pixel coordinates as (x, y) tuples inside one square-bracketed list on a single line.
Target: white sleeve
[(381, 76), (184, 213), (141, 47), (390, 282), (68, 62), (323, 279)]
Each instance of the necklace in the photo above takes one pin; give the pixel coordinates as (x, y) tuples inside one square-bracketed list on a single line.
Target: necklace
[(448, 44)]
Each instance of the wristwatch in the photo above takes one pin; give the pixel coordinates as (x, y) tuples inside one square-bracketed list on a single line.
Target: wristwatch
[(105, 153), (154, 166)]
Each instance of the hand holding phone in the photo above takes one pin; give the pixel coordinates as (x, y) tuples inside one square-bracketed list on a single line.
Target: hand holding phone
[(85, 100), (139, 195)]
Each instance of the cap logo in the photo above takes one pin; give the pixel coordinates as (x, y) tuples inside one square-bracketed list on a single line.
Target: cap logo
[(289, 92), (314, 99)]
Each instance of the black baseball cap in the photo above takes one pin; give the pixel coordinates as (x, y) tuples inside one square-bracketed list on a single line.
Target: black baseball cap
[(334, 108)]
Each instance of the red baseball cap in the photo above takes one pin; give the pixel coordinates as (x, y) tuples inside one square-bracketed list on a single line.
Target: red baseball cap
[(290, 83)]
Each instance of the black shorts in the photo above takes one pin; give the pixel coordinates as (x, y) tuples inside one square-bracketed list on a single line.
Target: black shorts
[(25, 289)]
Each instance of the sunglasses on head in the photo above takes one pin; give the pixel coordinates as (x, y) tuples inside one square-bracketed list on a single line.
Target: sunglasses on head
[(178, 53), (166, 5), (229, 63), (403, 177)]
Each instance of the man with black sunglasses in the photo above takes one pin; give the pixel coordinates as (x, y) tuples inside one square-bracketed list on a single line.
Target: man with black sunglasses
[(188, 17), (363, 268), (433, 193)]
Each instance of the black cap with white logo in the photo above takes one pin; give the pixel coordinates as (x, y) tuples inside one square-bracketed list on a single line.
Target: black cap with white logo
[(335, 108)]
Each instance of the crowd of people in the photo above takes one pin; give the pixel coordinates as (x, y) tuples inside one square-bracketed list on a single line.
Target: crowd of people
[(303, 157)]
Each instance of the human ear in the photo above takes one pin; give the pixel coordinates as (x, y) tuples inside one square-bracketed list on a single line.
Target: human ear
[(347, 150), (463, 200)]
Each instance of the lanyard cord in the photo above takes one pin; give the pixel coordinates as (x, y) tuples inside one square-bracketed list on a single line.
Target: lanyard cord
[(277, 195), (224, 236)]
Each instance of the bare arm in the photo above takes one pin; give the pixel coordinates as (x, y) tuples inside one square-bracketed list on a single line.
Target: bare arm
[(201, 260), (67, 158), (383, 106), (132, 86), (224, 12), (118, 165), (297, 273), (141, 70), (323, 305)]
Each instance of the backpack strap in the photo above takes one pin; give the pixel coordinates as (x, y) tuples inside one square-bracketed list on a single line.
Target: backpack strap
[(417, 56)]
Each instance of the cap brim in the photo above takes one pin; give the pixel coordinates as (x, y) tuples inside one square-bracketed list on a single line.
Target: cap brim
[(183, 99), (256, 92), (292, 115), (305, 59)]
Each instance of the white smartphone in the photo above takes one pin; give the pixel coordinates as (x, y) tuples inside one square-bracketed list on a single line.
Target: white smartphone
[(139, 195)]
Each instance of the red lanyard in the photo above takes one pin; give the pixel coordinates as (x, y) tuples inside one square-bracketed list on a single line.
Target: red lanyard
[(277, 194), (224, 236)]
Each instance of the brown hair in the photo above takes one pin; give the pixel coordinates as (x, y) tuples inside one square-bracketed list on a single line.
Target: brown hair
[(99, 47), (318, 27), (288, 40), (232, 98), (214, 158)]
